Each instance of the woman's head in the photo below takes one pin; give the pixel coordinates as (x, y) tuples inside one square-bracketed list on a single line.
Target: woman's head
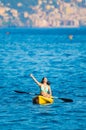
[(45, 80)]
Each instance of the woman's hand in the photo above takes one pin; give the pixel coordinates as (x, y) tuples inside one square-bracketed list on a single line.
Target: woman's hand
[(31, 75), (37, 82)]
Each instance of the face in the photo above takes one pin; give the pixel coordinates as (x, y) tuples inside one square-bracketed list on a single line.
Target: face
[(45, 80)]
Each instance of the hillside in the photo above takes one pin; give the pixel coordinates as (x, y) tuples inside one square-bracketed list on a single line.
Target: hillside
[(42, 13)]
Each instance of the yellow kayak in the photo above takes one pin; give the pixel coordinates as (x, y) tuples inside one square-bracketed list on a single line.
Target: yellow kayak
[(42, 100)]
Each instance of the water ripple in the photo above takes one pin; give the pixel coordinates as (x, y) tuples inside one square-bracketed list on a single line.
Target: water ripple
[(62, 62)]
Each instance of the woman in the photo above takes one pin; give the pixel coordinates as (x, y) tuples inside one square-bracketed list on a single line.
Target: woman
[(44, 85)]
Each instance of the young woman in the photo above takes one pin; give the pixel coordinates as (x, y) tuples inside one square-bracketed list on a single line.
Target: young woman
[(44, 85)]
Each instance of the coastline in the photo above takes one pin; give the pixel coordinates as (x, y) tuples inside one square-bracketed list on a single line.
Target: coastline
[(46, 31)]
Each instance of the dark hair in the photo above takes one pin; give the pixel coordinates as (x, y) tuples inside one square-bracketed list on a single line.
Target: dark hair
[(48, 83)]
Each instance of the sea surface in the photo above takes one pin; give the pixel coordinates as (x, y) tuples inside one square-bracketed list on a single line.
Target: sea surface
[(59, 55)]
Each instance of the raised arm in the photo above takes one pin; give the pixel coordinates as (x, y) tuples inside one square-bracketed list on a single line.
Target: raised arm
[(36, 81)]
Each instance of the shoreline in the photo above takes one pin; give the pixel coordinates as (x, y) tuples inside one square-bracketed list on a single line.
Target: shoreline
[(46, 31)]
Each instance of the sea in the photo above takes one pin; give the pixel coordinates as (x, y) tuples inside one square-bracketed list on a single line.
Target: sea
[(56, 53)]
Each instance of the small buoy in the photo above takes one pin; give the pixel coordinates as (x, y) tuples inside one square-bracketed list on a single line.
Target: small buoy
[(70, 37), (7, 33)]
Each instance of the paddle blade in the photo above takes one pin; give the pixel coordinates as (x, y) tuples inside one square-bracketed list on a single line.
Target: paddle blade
[(66, 99), (21, 92)]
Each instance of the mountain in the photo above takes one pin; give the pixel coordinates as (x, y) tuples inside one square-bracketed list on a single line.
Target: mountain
[(42, 13)]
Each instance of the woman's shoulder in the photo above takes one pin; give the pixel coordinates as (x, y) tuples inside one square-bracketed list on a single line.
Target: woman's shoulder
[(44, 85), (41, 84)]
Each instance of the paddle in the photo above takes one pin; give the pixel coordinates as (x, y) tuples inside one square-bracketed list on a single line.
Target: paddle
[(66, 99), (23, 92), (63, 99)]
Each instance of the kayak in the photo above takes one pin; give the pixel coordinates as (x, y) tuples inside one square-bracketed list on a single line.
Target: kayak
[(42, 100)]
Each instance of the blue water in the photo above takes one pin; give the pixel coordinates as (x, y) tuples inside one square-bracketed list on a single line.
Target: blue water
[(49, 53)]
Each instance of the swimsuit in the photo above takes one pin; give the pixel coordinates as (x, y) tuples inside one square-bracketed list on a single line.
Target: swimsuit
[(44, 89)]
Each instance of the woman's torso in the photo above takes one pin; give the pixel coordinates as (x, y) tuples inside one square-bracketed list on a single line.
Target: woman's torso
[(44, 88)]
